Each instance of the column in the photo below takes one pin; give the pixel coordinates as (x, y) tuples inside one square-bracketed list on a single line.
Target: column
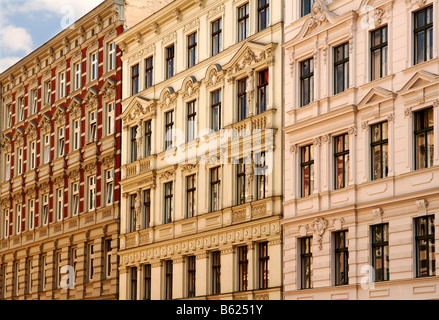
[(353, 131), (123, 283), (228, 263), (178, 278), (156, 280), (275, 275), (202, 283)]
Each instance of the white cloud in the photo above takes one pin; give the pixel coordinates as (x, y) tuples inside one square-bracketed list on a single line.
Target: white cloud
[(6, 63), (14, 39)]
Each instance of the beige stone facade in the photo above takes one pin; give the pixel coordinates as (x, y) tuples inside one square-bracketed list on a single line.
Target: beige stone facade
[(361, 158), (194, 225)]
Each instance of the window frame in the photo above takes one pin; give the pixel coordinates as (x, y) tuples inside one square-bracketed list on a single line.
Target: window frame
[(240, 182), (215, 108), (216, 36), (191, 276), (306, 263), (243, 21), (170, 61), (379, 143), (309, 77), (310, 165), (243, 106), (382, 47), (94, 66), (423, 29), (263, 269), (344, 154), (429, 238), (341, 258), (383, 246), (344, 63), (191, 124), (216, 272), (168, 205), (263, 11), (169, 127), (191, 196), (149, 72), (135, 74), (192, 45), (243, 272), (215, 184), (425, 130)]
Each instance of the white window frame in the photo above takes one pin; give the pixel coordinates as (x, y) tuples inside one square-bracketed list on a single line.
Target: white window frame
[(93, 66), (62, 85), (59, 204), (61, 142), (8, 166), (109, 187), (31, 219), (34, 109), (91, 193), (6, 214), (77, 75), (75, 199), (20, 160), (8, 116), (110, 118), (93, 120), (18, 218), (48, 92), (46, 149), (20, 109), (111, 56), (76, 134), (45, 207), (90, 267), (33, 155)]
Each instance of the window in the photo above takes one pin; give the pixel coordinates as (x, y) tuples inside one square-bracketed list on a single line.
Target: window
[(306, 7), (243, 22), (240, 179), (146, 208), (110, 118), (9, 116), (18, 221), (263, 14), (423, 34), (48, 93), (73, 261), (76, 134), (91, 193), (424, 139), (20, 161), (58, 262), (62, 85), (135, 79), (215, 184), (379, 48), (108, 251), (216, 272), (191, 276), (425, 251), (31, 218), (191, 190), (29, 282), (169, 126), (307, 169), (262, 91), (134, 144), (191, 50), (243, 268), (34, 109), (94, 66), (109, 186), (306, 262), (263, 265), (59, 204), (216, 110), (216, 36), (261, 176), (33, 155), (93, 126), (90, 261), (168, 280), (306, 82), (168, 203), (380, 150), (46, 149), (16, 278), (191, 121), (341, 68), (6, 223), (45, 269), (170, 55), (111, 56), (149, 72), (148, 137), (7, 166), (242, 100), (341, 161), (147, 282), (77, 79), (133, 220), (45, 210), (61, 142), (21, 109), (75, 199), (380, 251), (341, 258)]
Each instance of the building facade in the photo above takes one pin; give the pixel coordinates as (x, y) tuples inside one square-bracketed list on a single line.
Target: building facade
[(60, 164), (202, 152), (361, 206)]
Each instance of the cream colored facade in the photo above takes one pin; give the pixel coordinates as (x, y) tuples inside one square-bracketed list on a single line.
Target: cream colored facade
[(407, 190), (154, 176)]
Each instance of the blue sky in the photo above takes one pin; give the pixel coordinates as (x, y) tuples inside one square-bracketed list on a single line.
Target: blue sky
[(25, 25)]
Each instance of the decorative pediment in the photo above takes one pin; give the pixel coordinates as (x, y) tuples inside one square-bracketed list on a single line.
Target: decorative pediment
[(19, 137), (251, 55), (90, 169), (75, 107), (74, 175), (169, 174), (139, 109), (32, 130), (420, 80), (377, 95), (46, 123), (109, 90), (214, 75), (190, 87), (60, 116), (168, 97), (107, 162), (6, 144), (91, 98), (44, 187)]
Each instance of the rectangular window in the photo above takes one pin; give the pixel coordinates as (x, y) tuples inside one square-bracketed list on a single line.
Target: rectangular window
[(216, 36), (59, 204), (62, 85), (45, 211), (44, 269), (73, 260), (191, 190), (307, 170), (18, 220), (93, 126), (94, 66), (306, 7), (341, 254), (75, 199), (306, 82), (29, 282), (6, 226), (91, 193), (191, 276), (8, 167), (134, 144), (380, 251), (191, 50), (133, 220), (191, 121), (216, 272), (77, 79), (90, 261), (20, 161), (58, 266), (108, 253), (425, 251), (110, 118), (148, 138), (21, 107), (61, 142), (135, 79), (111, 56), (170, 55), (168, 203), (149, 72), (306, 262), (242, 100), (263, 14), (76, 134), (341, 68), (16, 278), (33, 155), (423, 35), (240, 182), (215, 184), (216, 110), (147, 282), (243, 268), (46, 149), (9, 116), (168, 280), (262, 91), (146, 209), (47, 93), (379, 49), (34, 101), (169, 126), (243, 22), (261, 176), (380, 150), (341, 161), (31, 218), (424, 139), (263, 265), (109, 186)]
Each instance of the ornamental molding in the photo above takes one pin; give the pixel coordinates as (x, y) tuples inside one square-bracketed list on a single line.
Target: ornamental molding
[(91, 169), (75, 108), (216, 11), (141, 53), (60, 116), (74, 175), (214, 75), (110, 35), (169, 38), (168, 97), (420, 80), (108, 90), (192, 25), (188, 168), (18, 137), (6, 144), (91, 99), (190, 87), (139, 109), (31, 192), (44, 187), (59, 181), (108, 162), (422, 207), (6, 202), (318, 227), (170, 174), (319, 15)]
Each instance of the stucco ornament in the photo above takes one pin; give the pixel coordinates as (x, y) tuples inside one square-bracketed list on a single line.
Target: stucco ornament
[(319, 226)]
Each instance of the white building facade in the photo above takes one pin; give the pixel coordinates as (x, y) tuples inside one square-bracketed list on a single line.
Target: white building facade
[(361, 162)]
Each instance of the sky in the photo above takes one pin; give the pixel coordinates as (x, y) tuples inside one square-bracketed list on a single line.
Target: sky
[(25, 25)]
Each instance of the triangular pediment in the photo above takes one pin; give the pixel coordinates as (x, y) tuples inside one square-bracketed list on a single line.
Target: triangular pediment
[(420, 80), (75, 107), (377, 95), (91, 98), (139, 109)]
